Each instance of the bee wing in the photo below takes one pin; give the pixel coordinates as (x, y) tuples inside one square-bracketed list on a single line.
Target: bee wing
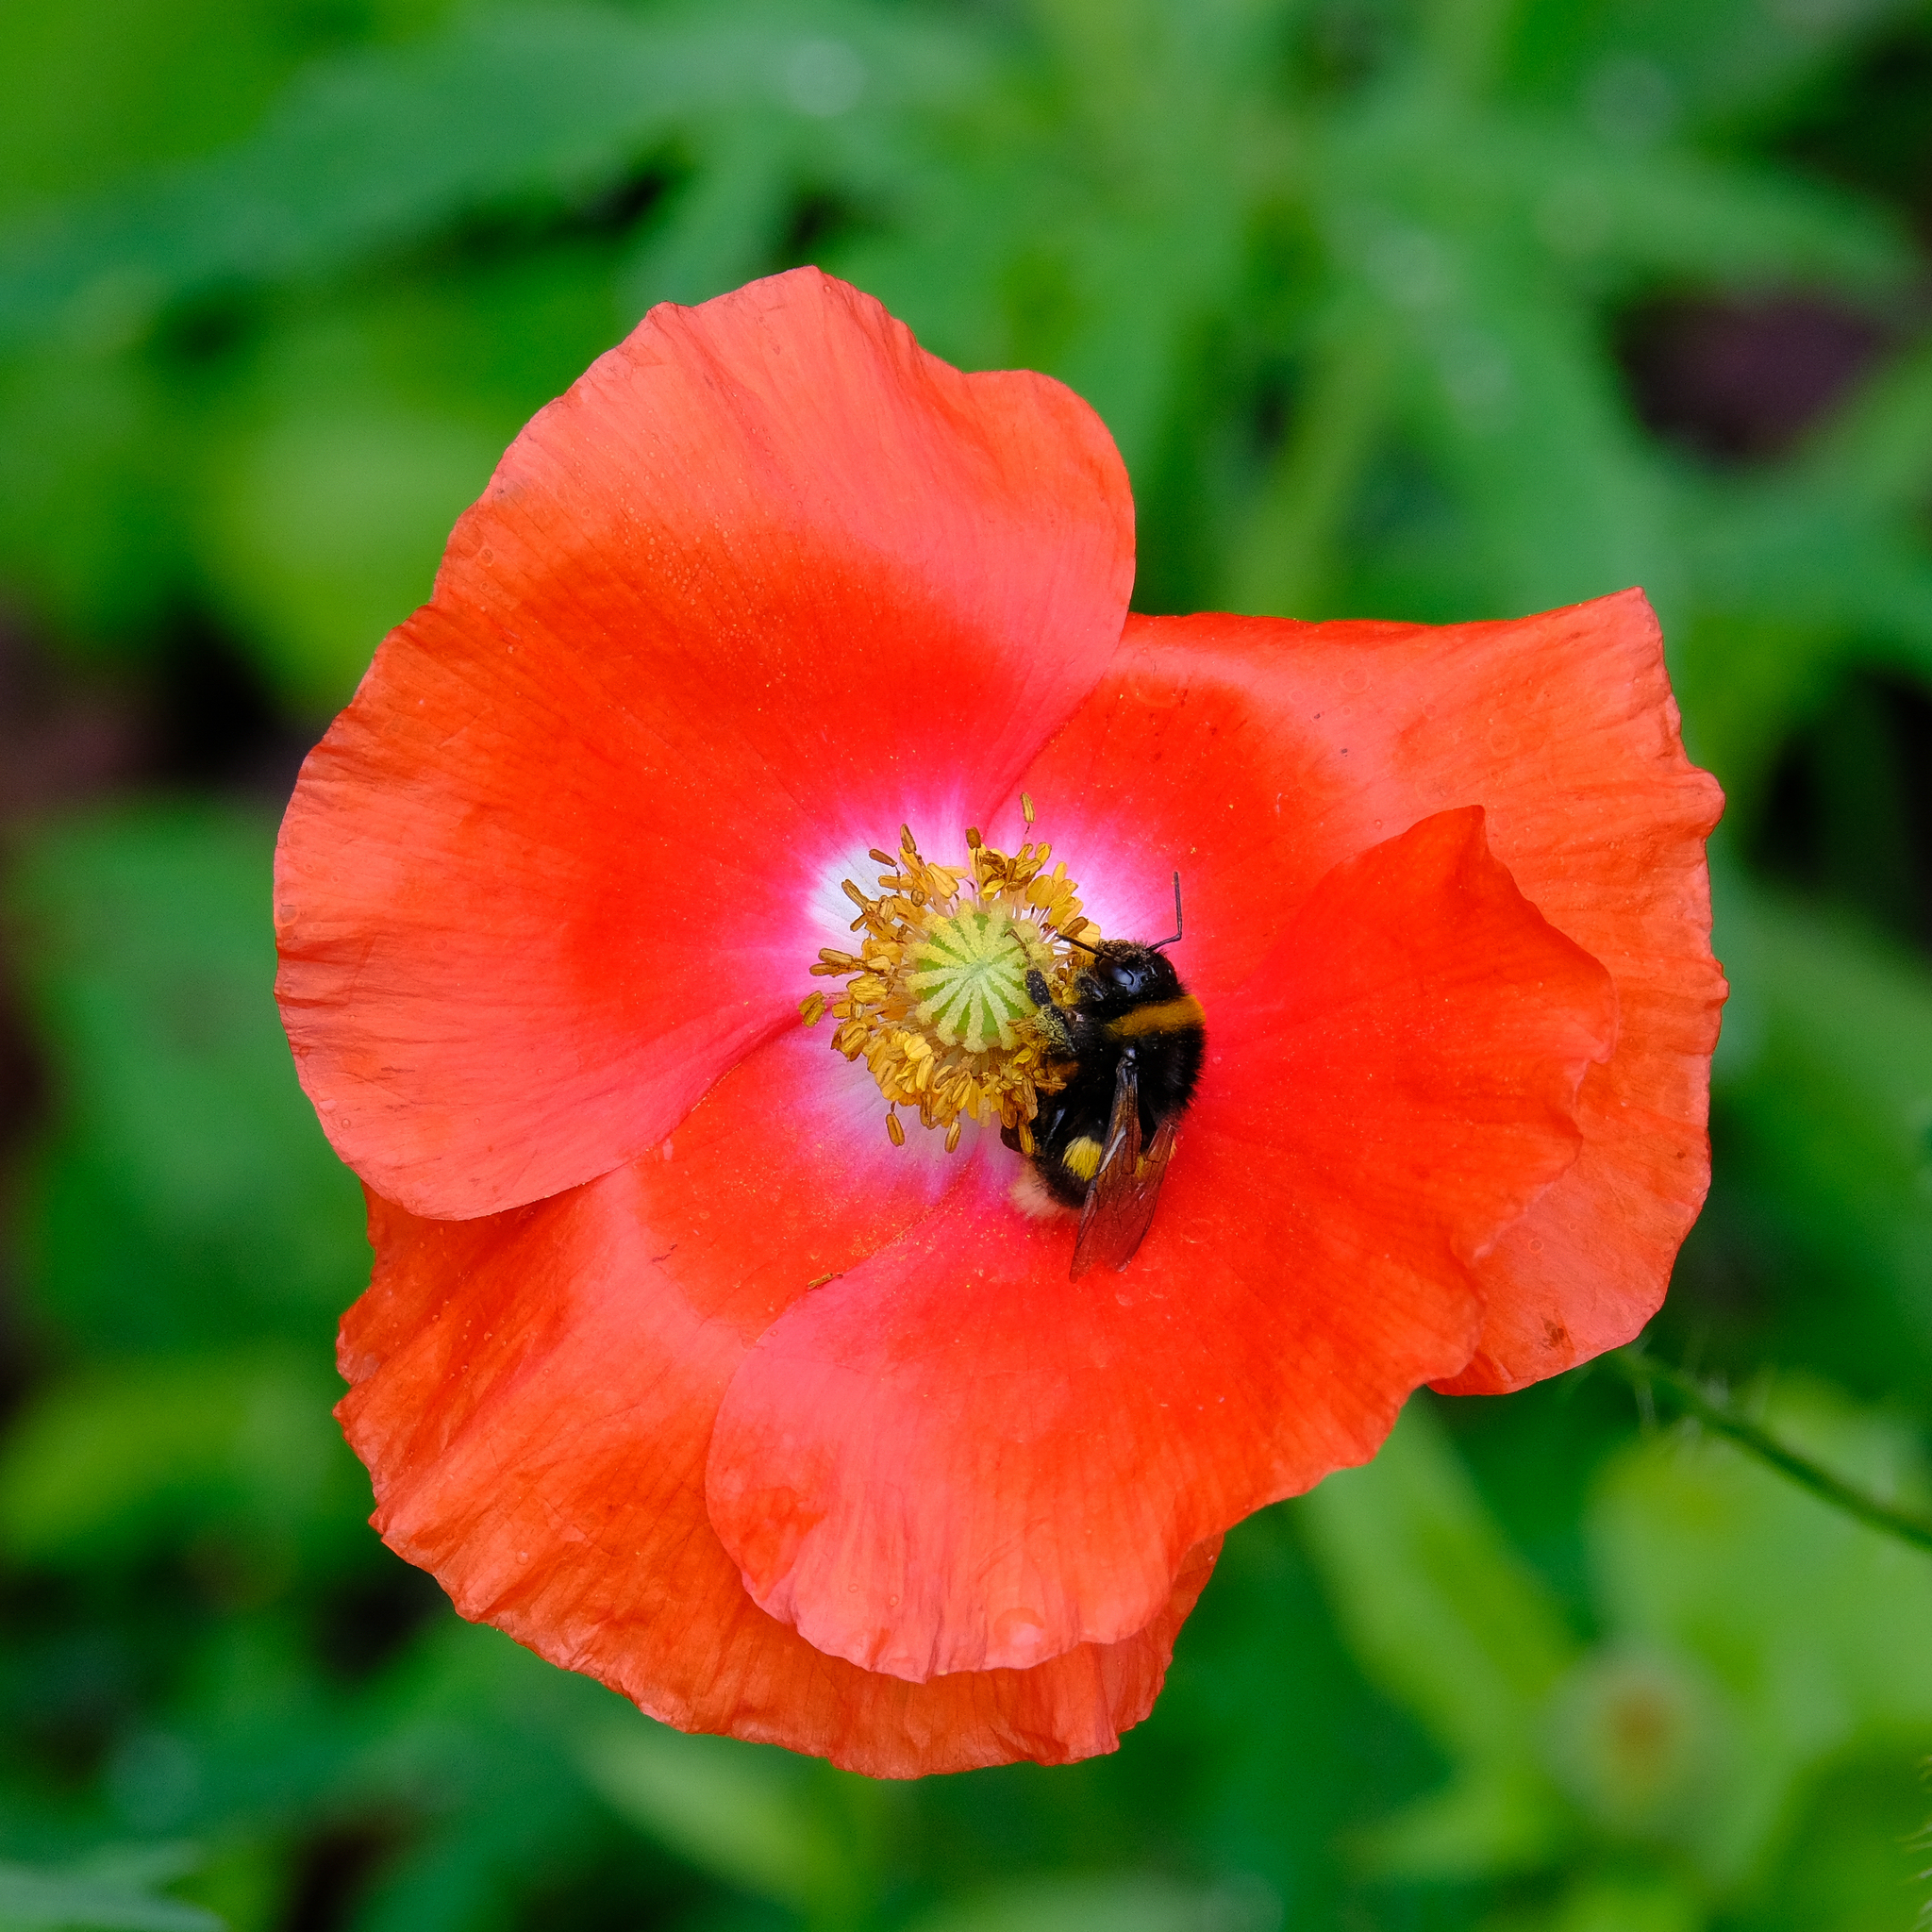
[(1120, 1203)]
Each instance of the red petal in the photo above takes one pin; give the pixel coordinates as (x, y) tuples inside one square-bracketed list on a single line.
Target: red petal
[(768, 581), (955, 1459), (1254, 754), (535, 1393)]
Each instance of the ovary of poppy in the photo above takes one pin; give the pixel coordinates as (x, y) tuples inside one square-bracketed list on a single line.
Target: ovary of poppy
[(674, 1366)]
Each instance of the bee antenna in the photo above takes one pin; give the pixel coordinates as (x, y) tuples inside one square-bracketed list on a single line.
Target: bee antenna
[(1177, 932), (1081, 944)]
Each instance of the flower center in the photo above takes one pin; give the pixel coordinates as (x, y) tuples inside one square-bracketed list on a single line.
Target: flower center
[(936, 1001), (970, 972)]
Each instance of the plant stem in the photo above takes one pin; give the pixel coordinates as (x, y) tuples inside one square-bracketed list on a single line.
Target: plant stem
[(1645, 1372)]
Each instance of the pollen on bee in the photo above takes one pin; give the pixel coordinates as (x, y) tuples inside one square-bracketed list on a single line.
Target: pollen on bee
[(936, 1002)]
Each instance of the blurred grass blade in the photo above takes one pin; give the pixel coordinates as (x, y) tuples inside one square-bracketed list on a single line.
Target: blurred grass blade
[(1718, 60), (111, 1891), (743, 1813), (723, 224), (1107, 1905), (1285, 556), (1876, 454), (1677, 212)]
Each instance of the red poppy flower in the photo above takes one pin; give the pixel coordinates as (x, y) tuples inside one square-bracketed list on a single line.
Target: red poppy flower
[(674, 1365)]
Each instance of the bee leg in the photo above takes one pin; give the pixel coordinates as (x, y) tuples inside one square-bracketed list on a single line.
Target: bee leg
[(1052, 1022)]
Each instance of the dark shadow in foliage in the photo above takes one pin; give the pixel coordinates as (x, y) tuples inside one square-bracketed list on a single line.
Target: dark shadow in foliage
[(508, 231), (331, 1872), (1850, 812), (1870, 128), (364, 1620), (215, 723), (209, 328), (1741, 381)]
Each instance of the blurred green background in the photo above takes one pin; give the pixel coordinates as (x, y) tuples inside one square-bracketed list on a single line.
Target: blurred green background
[(1417, 308)]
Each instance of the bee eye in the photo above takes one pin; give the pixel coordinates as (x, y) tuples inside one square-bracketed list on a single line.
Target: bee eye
[(1127, 978)]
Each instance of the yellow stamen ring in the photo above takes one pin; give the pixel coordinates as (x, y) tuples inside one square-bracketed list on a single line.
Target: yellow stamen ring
[(936, 1001)]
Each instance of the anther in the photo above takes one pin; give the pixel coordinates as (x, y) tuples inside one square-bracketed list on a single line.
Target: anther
[(1026, 807), (939, 1005)]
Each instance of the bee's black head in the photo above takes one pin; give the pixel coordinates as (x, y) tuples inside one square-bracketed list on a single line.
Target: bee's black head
[(1126, 974)]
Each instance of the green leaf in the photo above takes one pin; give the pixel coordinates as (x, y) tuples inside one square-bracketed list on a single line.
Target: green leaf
[(186, 1156), (1518, 404), (99, 89), (1447, 1621), (1640, 68), (1817, 1628), (743, 1813), (1284, 562), (1599, 209), (93, 522), (328, 529), (1794, 581), (111, 1891), (1873, 454), (1825, 1083), (1630, 1902), (112, 1457), (470, 1742), (350, 444), (1107, 1905), (376, 151), (1858, 1851)]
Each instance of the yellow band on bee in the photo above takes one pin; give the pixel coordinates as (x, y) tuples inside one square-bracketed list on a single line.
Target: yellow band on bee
[(1081, 1158), (1171, 1016)]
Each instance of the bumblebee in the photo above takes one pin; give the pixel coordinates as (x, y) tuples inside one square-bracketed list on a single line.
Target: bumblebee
[(1133, 1038)]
